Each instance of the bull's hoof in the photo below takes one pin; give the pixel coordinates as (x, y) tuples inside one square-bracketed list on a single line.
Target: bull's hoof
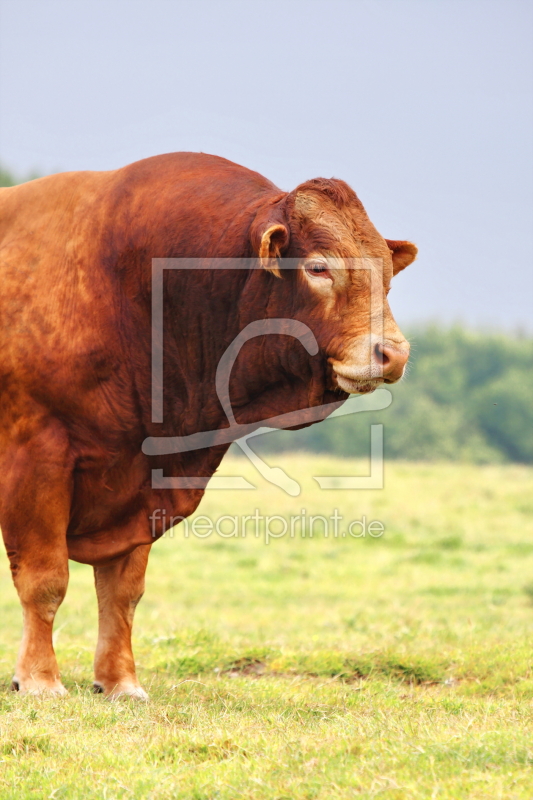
[(42, 687), (135, 692), (121, 691)]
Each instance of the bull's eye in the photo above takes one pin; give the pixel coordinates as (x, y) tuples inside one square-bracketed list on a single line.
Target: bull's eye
[(316, 268)]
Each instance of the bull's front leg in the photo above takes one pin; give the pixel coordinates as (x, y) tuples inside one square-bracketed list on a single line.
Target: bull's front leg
[(35, 507), (119, 586), (41, 585)]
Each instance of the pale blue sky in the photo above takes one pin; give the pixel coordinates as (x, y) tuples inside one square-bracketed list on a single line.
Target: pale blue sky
[(424, 106)]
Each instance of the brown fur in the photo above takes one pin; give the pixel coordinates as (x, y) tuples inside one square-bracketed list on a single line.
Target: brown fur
[(75, 347)]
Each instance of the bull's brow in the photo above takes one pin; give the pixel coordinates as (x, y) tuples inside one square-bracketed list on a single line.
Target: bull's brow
[(324, 238)]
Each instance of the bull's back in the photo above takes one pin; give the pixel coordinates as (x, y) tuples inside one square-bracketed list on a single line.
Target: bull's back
[(56, 300)]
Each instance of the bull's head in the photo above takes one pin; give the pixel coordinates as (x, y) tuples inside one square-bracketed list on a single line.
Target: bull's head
[(339, 288)]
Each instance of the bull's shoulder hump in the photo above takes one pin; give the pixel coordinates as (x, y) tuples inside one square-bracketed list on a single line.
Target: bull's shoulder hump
[(194, 167)]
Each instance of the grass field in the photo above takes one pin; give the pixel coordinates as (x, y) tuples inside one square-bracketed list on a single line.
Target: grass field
[(316, 667)]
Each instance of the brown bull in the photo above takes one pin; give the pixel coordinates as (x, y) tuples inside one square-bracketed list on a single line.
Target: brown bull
[(76, 254)]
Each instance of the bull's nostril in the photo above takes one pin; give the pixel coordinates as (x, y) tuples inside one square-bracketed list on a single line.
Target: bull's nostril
[(381, 355)]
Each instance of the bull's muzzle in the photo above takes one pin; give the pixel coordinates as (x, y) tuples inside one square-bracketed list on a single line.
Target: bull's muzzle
[(386, 365), (393, 360)]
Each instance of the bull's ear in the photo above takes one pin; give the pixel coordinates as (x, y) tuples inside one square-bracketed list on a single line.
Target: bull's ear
[(272, 242), (270, 236), (403, 254)]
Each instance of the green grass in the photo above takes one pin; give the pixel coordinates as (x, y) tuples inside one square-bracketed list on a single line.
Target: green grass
[(394, 667)]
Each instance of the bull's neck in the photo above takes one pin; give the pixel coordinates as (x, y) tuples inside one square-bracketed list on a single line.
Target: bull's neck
[(202, 317)]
